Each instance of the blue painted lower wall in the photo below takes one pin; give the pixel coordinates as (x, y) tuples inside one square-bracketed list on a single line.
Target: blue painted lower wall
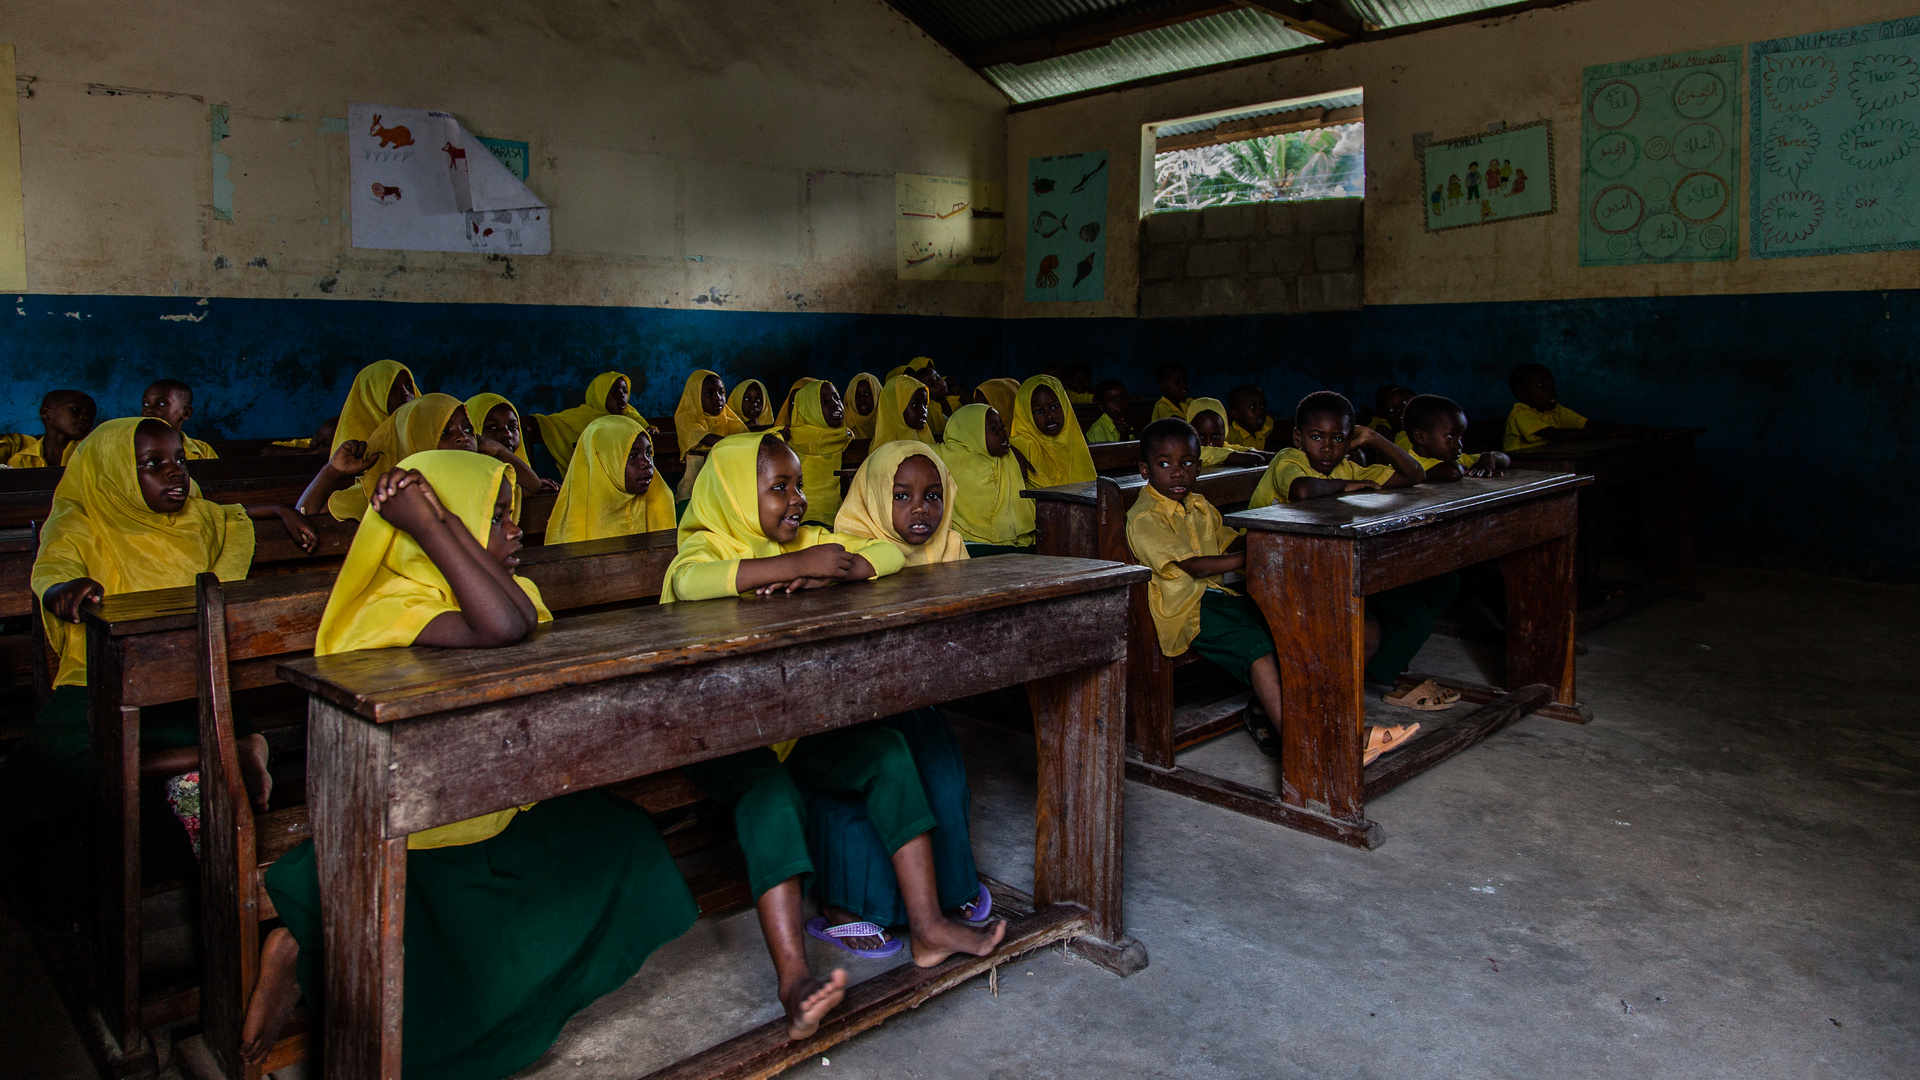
[(1813, 398)]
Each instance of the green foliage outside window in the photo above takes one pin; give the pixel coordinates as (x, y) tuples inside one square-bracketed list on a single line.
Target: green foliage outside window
[(1319, 163)]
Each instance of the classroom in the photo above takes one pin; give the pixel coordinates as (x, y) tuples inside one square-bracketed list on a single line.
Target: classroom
[(501, 506)]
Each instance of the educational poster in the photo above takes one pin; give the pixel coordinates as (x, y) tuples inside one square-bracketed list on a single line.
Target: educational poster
[(1659, 159), (1836, 141), (948, 228), (1499, 176), (509, 152), (1067, 226), (422, 182)]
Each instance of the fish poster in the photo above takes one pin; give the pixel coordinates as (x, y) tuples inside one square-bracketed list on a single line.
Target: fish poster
[(1659, 159), (1481, 179), (1835, 141), (948, 228), (420, 181), (1067, 226)]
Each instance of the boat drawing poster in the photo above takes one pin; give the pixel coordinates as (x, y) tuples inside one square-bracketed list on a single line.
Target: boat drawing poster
[(420, 181), (1067, 227), (948, 228)]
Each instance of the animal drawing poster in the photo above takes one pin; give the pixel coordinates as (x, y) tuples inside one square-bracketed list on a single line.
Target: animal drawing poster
[(1836, 141), (422, 182), (1067, 226), (1481, 179), (948, 228), (1659, 159)]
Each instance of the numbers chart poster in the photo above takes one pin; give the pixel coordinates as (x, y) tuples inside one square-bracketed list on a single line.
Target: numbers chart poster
[(1659, 160), (1836, 141), (1480, 179), (1067, 226)]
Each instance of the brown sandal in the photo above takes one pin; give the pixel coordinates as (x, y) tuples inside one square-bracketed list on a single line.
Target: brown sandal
[(1428, 696), (1382, 739)]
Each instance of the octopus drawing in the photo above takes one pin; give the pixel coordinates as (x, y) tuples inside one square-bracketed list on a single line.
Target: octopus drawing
[(1047, 278)]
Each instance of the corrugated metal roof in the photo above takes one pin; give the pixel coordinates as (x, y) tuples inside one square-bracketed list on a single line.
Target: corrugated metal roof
[(1333, 101), (1216, 39), (969, 25), (1387, 14)]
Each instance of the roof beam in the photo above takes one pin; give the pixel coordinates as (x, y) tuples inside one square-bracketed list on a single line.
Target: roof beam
[(1314, 18), (1091, 33), (1259, 127)]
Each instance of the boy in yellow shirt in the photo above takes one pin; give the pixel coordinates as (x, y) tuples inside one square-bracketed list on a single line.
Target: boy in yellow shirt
[(172, 400), (1110, 397), (1172, 377), (1251, 426), (1389, 408), (1436, 429), (1538, 418), (1317, 465), (1180, 536), (66, 417)]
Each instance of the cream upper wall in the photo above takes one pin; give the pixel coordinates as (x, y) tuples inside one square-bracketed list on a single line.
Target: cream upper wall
[(1455, 81), (762, 135)]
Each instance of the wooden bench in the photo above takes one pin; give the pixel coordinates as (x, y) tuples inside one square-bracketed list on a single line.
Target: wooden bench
[(1310, 567), (408, 739), (27, 494), (1089, 521)]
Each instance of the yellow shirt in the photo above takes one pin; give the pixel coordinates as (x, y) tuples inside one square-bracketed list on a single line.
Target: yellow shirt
[(1162, 533), (1254, 439), (1075, 397), (29, 455), (197, 450), (1104, 430), (1525, 423), (1292, 464), (1217, 455), (1465, 461), (297, 444), (1165, 408), (1381, 424)]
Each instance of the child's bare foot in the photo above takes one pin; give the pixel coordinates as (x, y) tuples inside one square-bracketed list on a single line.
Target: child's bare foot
[(810, 1000), (274, 997), (253, 770), (935, 943)]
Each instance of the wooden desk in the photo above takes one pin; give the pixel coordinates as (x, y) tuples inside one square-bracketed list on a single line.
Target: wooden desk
[(1660, 469), (1310, 567), (1116, 457), (407, 739)]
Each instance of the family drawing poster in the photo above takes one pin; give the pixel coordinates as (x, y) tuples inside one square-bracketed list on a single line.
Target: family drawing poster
[(947, 228), (1836, 141), (1659, 163), (1067, 226), (1485, 178), (420, 181)]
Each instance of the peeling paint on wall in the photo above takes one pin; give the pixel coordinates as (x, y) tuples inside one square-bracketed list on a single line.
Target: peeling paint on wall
[(222, 165)]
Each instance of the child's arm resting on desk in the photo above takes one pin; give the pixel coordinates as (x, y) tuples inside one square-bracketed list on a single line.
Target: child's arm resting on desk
[(1406, 471)]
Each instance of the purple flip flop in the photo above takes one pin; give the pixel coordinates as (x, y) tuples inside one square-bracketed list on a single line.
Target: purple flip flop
[(817, 927), (978, 908)]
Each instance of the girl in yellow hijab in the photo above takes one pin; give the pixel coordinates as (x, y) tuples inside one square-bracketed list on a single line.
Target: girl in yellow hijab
[(607, 395), (818, 433), (749, 402), (940, 402), (902, 412), (379, 389), (1001, 394), (700, 420), (611, 487), (988, 510), (743, 533), (496, 420), (1047, 433), (902, 493), (1209, 419), (428, 422), (517, 919), (863, 404)]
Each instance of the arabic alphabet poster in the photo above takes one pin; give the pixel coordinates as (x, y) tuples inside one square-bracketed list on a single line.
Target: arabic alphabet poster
[(420, 181), (1659, 159), (1067, 226), (1836, 141), (1480, 179), (948, 228)]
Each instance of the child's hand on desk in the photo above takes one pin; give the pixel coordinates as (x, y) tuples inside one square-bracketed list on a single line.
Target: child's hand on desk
[(549, 485), (298, 527), (1489, 465), (352, 459), (66, 598), (1361, 485), (407, 501)]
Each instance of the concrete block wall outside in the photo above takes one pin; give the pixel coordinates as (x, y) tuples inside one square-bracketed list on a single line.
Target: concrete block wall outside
[(1252, 258)]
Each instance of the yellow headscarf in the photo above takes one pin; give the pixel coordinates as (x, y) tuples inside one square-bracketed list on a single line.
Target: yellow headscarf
[(785, 415), (868, 510), (862, 426), (594, 502), (820, 448), (1196, 406), (389, 590), (691, 422), (561, 431), (479, 405), (987, 505), (735, 406), (890, 404), (936, 407), (100, 527), (1058, 459), (1001, 394), (413, 427), (366, 404)]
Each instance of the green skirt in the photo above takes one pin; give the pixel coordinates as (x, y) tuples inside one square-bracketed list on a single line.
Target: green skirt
[(1233, 633), (508, 938)]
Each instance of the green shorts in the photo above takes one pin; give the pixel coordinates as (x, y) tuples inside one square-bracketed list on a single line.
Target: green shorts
[(1233, 633)]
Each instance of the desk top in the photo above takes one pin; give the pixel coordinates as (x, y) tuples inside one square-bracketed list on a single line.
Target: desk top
[(395, 684), (1372, 513), (1577, 449), (1088, 491)]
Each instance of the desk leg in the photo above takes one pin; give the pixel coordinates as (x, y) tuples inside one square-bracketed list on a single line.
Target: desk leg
[(115, 745), (1079, 727), (1541, 609), (363, 890)]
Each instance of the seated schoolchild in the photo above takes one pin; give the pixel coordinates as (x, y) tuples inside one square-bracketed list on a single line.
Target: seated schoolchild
[(999, 393), (126, 518), (862, 397), (609, 394), (428, 422), (610, 488), (1209, 419), (1180, 536), (1389, 408), (321, 442), (815, 427), (700, 420), (1047, 435), (749, 402), (497, 428), (377, 391), (989, 512), (66, 416), (1317, 465), (1110, 397), (900, 494), (1078, 379), (743, 533), (903, 412), (1171, 377), (941, 401), (1538, 418), (1435, 431), (172, 400), (1250, 424), (517, 919)]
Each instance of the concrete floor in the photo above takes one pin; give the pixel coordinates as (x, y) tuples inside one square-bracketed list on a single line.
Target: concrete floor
[(1714, 879)]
